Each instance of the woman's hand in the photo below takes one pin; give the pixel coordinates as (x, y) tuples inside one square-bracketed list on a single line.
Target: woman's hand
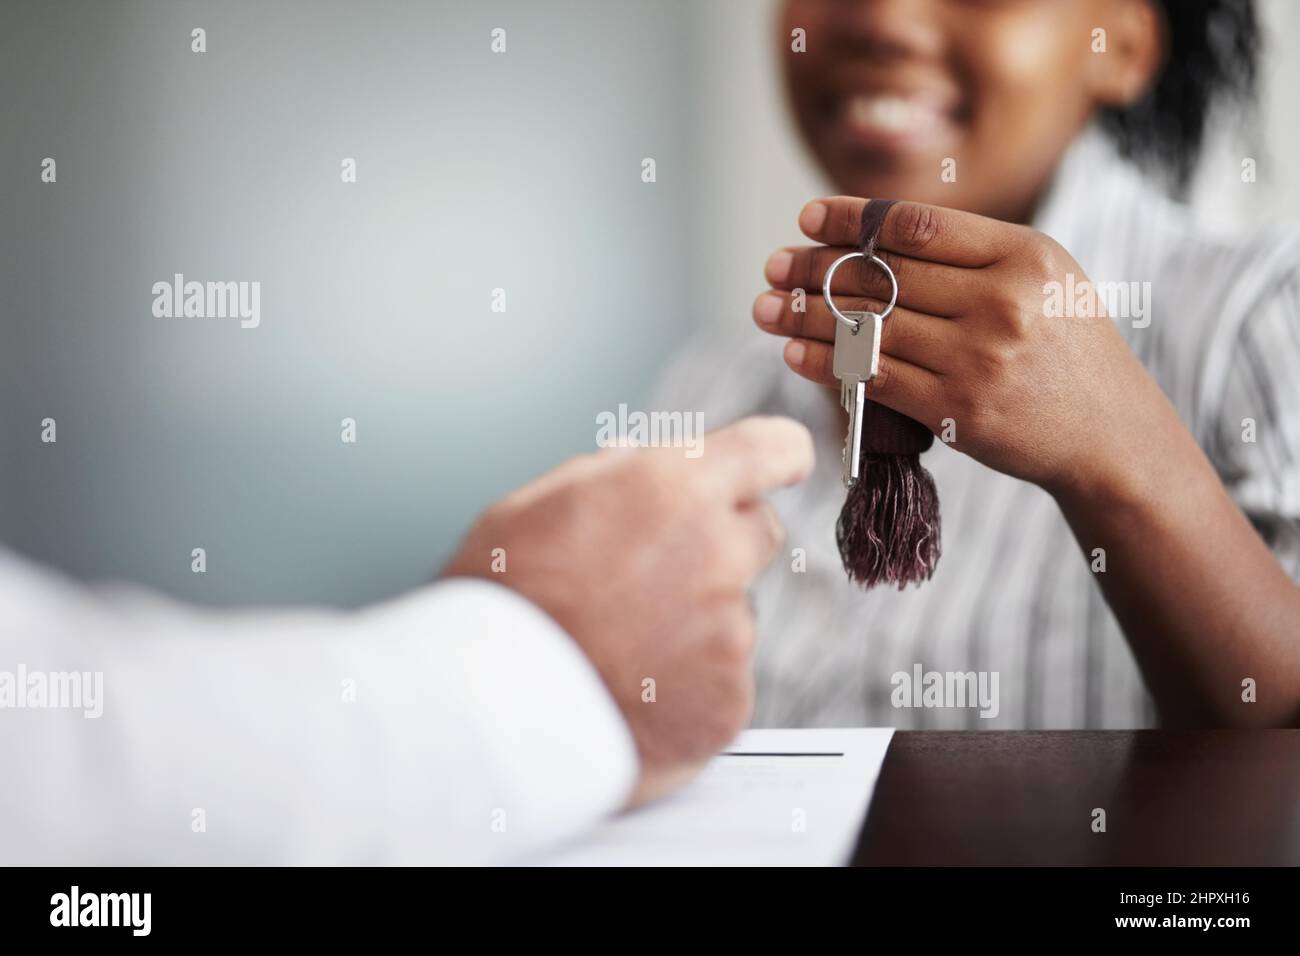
[(969, 350), (1064, 403)]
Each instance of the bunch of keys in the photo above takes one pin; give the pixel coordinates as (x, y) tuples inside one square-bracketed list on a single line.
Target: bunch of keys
[(857, 359)]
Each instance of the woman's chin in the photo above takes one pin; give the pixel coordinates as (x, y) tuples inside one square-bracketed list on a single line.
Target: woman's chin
[(891, 180), (898, 167)]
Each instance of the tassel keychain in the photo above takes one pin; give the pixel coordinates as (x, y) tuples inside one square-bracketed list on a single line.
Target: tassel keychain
[(888, 530)]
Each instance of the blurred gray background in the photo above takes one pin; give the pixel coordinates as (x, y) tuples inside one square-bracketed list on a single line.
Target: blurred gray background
[(475, 171)]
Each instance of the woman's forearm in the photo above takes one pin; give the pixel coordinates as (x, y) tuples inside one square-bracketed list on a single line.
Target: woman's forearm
[(1203, 602), (1064, 403)]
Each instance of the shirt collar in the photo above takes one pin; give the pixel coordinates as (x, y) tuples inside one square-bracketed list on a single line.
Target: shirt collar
[(1091, 178)]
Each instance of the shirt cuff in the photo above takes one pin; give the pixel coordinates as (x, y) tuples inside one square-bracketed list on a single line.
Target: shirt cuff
[(557, 755)]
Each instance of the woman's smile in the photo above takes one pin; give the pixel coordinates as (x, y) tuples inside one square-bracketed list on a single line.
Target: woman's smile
[(894, 124)]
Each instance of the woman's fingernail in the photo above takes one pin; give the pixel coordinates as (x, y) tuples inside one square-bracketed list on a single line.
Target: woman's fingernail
[(795, 352), (813, 217), (778, 266), (768, 308)]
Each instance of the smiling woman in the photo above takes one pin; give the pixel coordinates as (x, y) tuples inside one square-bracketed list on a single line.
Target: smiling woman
[(1086, 456), (1001, 90)]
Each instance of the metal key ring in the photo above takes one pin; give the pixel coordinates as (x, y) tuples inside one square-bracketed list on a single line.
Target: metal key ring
[(826, 287)]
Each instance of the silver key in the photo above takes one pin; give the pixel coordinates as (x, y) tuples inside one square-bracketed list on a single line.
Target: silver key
[(856, 361)]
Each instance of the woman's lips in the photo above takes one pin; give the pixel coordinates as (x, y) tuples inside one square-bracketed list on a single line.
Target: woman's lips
[(893, 122)]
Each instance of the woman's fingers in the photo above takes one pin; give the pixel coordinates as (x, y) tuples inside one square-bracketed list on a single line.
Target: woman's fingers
[(922, 286), (921, 339), (915, 230), (899, 384)]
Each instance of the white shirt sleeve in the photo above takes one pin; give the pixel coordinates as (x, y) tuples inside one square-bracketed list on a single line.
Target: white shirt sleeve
[(1256, 444), (459, 724)]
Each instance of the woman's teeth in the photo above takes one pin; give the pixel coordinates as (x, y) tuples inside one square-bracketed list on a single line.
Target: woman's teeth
[(890, 114)]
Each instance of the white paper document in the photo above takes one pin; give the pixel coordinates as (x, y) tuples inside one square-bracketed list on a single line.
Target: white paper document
[(773, 798)]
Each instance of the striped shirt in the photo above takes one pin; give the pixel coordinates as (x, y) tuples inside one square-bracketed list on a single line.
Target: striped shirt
[(1013, 593)]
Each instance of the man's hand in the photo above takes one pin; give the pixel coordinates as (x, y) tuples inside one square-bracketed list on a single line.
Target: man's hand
[(644, 557)]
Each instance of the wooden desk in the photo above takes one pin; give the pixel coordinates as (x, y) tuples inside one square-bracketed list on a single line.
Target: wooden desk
[(1172, 798)]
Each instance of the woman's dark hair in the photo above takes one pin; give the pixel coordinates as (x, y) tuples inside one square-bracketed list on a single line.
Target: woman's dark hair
[(1212, 60)]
